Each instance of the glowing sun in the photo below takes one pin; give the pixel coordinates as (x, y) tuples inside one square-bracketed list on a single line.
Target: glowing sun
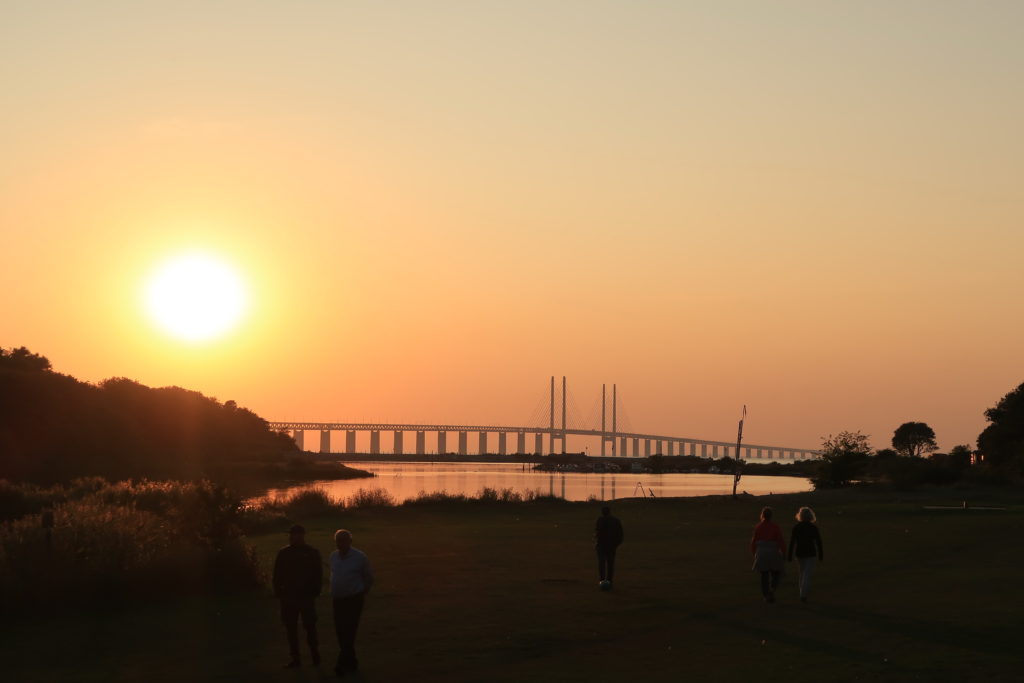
[(195, 297)]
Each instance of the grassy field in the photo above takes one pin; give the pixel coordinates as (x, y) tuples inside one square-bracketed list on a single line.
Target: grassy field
[(508, 593)]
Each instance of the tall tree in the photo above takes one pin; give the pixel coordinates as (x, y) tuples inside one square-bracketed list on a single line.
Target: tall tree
[(914, 439), (1001, 444), (844, 460)]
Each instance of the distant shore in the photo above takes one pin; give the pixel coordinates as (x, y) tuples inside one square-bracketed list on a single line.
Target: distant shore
[(249, 476), (580, 462)]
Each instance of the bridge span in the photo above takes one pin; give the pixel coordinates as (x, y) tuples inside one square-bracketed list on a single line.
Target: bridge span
[(530, 440), (619, 441)]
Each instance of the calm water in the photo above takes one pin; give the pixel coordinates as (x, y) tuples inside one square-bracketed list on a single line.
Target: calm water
[(406, 480)]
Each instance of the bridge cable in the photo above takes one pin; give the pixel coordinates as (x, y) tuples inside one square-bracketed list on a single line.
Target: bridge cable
[(539, 415)]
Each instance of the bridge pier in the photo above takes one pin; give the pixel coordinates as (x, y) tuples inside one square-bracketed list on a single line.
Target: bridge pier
[(557, 436), (483, 443), (300, 437), (636, 448), (374, 442), (521, 443), (623, 447), (421, 443), (350, 441), (502, 440), (538, 443), (399, 436), (442, 448), (758, 453), (463, 449), (325, 441), (647, 448), (671, 448)]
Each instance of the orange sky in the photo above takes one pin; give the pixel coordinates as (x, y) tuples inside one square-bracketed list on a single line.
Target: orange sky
[(814, 209)]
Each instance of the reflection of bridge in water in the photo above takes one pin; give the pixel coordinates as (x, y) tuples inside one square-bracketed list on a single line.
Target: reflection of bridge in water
[(622, 443)]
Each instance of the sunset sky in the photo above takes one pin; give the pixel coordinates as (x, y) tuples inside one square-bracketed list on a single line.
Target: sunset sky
[(812, 208)]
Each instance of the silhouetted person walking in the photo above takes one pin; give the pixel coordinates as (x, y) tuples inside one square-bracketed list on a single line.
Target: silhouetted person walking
[(806, 542), (768, 547), (351, 580), (607, 537), (298, 576)]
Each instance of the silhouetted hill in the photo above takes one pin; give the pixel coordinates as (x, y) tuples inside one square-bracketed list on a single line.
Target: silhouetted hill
[(54, 427)]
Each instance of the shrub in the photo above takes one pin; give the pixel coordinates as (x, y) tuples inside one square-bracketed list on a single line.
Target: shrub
[(538, 497), (436, 498), (489, 495), (371, 498), (260, 517), (306, 503), (19, 499)]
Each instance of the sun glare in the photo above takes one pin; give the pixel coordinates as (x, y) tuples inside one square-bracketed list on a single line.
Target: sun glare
[(196, 297)]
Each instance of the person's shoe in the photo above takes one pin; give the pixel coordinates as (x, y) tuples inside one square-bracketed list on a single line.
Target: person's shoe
[(316, 658), (293, 664)]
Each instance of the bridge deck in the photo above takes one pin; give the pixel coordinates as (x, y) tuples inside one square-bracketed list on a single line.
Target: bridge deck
[(408, 427)]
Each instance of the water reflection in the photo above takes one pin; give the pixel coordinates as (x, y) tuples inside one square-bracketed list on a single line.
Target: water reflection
[(406, 480)]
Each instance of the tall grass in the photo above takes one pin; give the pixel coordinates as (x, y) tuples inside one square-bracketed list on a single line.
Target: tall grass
[(104, 541), (264, 514)]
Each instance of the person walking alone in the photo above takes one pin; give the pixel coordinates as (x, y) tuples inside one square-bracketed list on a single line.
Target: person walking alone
[(608, 537), (298, 578), (351, 580), (806, 542), (768, 547)]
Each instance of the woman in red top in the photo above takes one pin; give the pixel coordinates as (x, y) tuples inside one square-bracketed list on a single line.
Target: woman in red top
[(769, 548)]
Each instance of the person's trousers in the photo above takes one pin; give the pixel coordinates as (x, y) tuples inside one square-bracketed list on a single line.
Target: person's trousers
[(291, 611), (346, 622), (806, 569), (769, 582), (606, 562)]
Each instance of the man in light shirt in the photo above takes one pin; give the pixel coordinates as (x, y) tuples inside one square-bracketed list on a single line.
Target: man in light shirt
[(351, 580)]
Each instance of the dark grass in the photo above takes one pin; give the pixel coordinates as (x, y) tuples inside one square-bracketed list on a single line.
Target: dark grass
[(508, 592)]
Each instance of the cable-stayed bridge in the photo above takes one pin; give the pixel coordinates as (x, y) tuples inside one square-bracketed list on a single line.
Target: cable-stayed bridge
[(615, 441)]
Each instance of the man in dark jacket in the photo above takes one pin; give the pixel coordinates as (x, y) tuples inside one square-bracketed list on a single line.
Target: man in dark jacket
[(298, 575), (607, 535)]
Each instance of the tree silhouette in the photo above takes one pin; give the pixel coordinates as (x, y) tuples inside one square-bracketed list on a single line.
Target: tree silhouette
[(914, 439), (844, 459), (54, 428), (23, 359), (1001, 444)]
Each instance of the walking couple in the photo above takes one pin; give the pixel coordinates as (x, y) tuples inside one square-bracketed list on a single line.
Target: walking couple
[(298, 580), (769, 549)]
